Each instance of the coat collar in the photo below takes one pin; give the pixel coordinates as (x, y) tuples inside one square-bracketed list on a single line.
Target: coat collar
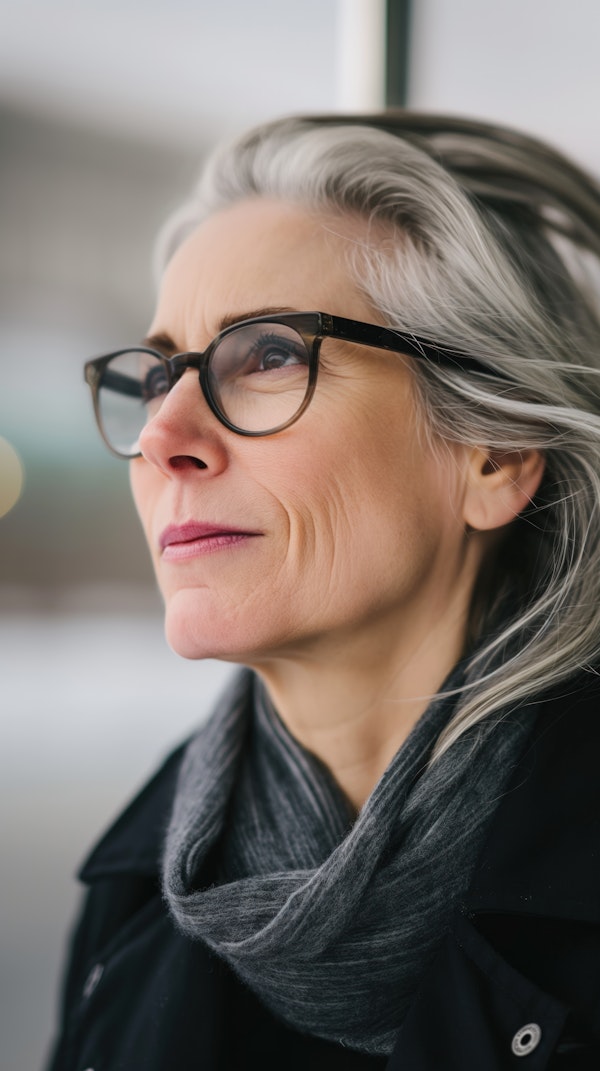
[(542, 852), (133, 844)]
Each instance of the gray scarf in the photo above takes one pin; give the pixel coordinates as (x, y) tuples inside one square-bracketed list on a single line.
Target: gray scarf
[(330, 921)]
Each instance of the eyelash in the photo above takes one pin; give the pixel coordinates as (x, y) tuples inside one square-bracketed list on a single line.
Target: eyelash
[(272, 339)]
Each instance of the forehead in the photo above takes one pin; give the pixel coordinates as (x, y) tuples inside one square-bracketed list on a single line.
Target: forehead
[(261, 254)]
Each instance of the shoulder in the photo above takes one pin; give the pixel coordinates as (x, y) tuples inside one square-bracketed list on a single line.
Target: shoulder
[(541, 851), (125, 946), (519, 970)]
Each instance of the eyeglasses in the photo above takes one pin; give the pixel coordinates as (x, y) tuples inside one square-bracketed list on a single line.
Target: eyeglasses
[(257, 376)]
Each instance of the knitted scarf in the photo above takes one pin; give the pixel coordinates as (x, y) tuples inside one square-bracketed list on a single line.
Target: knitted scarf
[(330, 920)]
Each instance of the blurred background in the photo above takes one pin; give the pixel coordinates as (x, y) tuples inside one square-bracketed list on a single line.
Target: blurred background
[(106, 111)]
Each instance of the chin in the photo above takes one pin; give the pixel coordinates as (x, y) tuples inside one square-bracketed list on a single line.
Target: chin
[(192, 637), (187, 643), (195, 629)]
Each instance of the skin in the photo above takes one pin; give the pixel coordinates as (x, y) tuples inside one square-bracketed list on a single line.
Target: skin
[(351, 600)]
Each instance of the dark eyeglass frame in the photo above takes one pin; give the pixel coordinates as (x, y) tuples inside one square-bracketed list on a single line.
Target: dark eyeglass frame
[(312, 327)]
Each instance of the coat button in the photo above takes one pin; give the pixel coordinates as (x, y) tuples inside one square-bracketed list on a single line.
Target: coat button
[(526, 1039), (92, 980)]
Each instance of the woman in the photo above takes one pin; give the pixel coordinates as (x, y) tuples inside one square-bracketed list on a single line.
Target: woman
[(381, 850)]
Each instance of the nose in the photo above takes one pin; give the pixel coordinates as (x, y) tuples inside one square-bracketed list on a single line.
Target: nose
[(184, 435)]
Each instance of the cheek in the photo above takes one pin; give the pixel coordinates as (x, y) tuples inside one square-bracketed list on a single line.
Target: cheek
[(396, 495), (144, 493), (359, 505)]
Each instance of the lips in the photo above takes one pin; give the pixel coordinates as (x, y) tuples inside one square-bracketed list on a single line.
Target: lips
[(180, 541)]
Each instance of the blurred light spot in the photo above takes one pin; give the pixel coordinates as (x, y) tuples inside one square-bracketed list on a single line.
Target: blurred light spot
[(12, 475)]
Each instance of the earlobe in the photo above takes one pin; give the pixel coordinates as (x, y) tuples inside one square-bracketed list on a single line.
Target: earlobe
[(499, 486)]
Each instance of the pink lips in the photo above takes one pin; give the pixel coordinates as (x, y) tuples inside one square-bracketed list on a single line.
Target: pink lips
[(181, 541)]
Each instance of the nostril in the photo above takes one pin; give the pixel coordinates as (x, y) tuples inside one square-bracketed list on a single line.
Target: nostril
[(182, 461)]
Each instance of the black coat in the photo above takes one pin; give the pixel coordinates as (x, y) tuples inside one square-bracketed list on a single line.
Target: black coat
[(516, 983)]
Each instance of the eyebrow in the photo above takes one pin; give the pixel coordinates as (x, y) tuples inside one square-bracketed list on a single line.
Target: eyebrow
[(165, 344), (161, 342)]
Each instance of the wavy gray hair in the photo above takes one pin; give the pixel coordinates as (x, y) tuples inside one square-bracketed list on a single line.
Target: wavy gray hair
[(497, 253)]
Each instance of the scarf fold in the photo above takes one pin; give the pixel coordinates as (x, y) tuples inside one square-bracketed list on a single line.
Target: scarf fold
[(330, 920)]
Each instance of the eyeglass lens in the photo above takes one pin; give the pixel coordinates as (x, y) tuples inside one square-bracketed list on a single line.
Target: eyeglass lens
[(258, 377)]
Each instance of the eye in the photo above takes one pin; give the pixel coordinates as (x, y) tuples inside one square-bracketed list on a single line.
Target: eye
[(271, 352), (155, 382), (258, 352)]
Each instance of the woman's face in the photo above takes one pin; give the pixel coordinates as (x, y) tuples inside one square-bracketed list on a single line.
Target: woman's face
[(342, 523)]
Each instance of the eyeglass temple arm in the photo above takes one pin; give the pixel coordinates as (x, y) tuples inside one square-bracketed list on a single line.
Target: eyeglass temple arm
[(399, 342), (115, 381)]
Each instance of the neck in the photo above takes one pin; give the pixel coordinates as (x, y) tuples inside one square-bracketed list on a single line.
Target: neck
[(352, 701)]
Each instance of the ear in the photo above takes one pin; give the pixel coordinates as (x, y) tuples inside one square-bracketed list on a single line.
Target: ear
[(499, 486)]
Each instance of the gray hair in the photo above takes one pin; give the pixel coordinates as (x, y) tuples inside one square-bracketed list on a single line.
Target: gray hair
[(493, 249)]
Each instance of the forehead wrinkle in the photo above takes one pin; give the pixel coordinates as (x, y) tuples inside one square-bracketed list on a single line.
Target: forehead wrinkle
[(201, 289)]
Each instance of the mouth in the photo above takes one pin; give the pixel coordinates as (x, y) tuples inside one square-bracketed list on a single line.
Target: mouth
[(181, 541)]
